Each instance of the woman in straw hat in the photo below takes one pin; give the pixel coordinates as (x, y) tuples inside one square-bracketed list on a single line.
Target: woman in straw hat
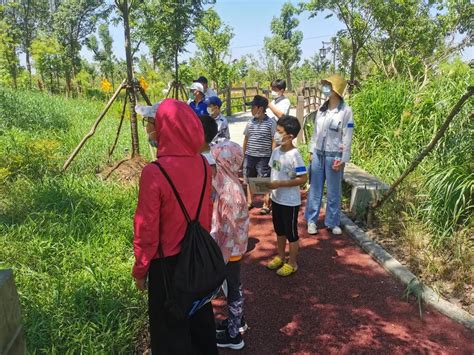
[(330, 149)]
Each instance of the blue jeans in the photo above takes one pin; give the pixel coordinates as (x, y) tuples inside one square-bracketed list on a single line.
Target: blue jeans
[(321, 171)]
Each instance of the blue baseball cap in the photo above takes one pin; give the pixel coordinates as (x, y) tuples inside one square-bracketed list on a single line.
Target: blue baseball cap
[(214, 100)]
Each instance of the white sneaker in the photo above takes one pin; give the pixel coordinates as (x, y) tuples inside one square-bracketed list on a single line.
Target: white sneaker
[(336, 230), (312, 228)]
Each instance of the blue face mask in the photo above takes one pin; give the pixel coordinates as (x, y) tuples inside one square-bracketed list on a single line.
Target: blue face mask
[(326, 90)]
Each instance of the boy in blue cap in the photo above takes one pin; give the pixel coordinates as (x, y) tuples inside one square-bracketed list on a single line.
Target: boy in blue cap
[(214, 110)]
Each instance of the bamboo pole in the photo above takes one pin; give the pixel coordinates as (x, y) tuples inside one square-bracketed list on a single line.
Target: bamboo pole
[(424, 152), (94, 127)]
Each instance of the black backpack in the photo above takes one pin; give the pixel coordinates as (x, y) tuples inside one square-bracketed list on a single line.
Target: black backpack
[(200, 269)]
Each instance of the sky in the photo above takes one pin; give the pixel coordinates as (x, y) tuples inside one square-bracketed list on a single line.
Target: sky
[(250, 20)]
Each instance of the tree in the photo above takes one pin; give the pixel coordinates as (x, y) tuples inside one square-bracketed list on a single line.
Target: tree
[(167, 28), (105, 56), (32, 15), (415, 36), (356, 16), (73, 22), (47, 56), (213, 40), (9, 42), (285, 41)]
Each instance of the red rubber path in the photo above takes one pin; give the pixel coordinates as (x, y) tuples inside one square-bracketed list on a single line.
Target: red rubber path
[(340, 301)]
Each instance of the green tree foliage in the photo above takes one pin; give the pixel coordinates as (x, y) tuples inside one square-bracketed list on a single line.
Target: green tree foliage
[(73, 22), (9, 43), (213, 39), (167, 27), (104, 56), (47, 57), (415, 36), (285, 42), (32, 16), (356, 16)]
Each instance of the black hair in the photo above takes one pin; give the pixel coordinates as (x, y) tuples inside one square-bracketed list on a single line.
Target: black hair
[(280, 84), (290, 124), (325, 106), (210, 127)]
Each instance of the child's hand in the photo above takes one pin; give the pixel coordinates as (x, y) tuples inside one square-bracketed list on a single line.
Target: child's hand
[(274, 185)]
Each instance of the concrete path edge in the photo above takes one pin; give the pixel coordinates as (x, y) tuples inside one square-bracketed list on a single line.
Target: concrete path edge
[(412, 283)]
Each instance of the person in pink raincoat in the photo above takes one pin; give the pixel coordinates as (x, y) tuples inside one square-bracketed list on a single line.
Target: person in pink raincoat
[(230, 225)]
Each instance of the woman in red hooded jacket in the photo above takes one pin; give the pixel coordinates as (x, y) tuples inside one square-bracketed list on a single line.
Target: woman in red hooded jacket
[(159, 222)]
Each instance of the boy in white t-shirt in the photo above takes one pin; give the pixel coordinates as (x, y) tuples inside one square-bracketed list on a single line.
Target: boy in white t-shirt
[(280, 105), (287, 174)]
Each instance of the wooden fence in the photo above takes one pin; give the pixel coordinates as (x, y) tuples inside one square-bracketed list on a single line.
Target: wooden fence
[(236, 97)]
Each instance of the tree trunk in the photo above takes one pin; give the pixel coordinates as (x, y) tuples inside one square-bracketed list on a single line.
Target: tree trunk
[(28, 65), (176, 74), (289, 86), (355, 51), (131, 88)]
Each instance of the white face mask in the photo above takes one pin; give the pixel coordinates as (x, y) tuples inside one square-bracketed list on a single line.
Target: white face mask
[(210, 111), (275, 94), (326, 90), (278, 138)]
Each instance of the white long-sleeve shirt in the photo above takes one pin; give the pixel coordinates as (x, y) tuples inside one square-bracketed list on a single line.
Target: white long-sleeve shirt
[(333, 130)]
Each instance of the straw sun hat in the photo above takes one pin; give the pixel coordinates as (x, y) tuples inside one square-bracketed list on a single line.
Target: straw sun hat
[(337, 82)]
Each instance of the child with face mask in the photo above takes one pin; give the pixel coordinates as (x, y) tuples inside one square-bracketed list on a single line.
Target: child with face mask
[(280, 105), (288, 173), (258, 145), (230, 224), (214, 110)]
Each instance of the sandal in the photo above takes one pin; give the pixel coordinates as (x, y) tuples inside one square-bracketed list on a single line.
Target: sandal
[(287, 270), (275, 263), (264, 210)]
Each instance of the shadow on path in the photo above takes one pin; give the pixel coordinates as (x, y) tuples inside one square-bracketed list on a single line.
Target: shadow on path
[(339, 301)]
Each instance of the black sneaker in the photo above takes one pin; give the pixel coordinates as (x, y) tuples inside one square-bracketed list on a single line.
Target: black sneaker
[(223, 340), (221, 326)]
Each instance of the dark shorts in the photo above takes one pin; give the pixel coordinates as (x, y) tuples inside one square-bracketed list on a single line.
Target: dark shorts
[(256, 166), (285, 221)]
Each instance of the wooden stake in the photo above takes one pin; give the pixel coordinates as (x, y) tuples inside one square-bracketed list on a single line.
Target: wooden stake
[(94, 127), (111, 150)]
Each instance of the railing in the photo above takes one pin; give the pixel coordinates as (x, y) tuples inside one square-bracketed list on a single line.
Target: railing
[(236, 97), (309, 100)]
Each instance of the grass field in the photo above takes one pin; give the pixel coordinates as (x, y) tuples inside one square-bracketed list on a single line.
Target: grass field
[(68, 237)]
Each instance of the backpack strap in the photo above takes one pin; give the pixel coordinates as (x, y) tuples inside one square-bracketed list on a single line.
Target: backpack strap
[(176, 193)]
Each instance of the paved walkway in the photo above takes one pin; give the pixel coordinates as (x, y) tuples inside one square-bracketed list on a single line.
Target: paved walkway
[(238, 122), (339, 301)]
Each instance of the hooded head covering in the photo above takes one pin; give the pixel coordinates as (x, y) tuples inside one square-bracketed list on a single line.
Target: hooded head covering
[(178, 129), (230, 220)]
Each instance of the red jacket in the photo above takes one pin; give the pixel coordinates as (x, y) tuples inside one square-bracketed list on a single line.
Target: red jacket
[(158, 217)]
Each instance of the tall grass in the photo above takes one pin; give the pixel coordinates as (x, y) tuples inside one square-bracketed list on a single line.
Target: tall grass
[(67, 236), (395, 119)]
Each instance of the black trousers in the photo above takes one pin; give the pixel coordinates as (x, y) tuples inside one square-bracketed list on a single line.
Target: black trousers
[(194, 336)]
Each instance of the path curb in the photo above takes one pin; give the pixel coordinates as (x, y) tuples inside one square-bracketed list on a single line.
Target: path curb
[(405, 276)]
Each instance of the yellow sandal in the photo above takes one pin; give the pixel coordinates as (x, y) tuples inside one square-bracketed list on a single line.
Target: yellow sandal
[(287, 270), (275, 263)]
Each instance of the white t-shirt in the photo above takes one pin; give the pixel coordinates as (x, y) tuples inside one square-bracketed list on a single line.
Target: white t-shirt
[(283, 104), (209, 92), (286, 166)]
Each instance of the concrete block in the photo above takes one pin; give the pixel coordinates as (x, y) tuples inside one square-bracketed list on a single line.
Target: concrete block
[(12, 339)]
